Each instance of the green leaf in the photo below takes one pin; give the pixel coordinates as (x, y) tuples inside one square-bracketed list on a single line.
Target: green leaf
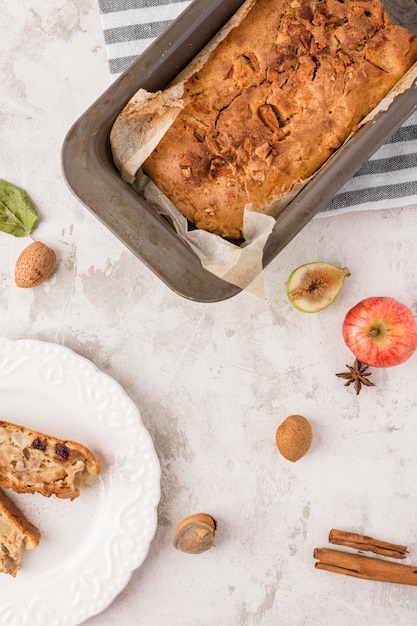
[(18, 216)]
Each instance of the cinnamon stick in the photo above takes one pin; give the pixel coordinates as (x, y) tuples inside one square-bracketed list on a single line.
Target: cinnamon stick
[(366, 567), (368, 544)]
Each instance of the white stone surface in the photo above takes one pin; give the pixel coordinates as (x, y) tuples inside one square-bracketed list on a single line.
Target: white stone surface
[(214, 381)]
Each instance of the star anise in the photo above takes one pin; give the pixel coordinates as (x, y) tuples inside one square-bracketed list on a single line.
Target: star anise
[(357, 375)]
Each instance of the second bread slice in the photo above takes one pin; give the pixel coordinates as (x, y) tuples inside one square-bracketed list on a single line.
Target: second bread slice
[(17, 535)]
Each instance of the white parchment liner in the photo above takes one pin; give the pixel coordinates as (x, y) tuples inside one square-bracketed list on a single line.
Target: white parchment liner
[(142, 124)]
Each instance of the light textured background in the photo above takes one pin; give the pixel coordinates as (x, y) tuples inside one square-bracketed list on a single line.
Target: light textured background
[(214, 381)]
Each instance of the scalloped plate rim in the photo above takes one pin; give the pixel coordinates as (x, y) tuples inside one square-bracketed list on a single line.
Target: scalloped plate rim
[(66, 371)]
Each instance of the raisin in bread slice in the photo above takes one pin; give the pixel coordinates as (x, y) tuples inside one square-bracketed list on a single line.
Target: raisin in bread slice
[(17, 535), (31, 461)]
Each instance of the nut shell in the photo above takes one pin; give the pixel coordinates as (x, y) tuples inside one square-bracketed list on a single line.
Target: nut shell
[(195, 534), (34, 265), (294, 437)]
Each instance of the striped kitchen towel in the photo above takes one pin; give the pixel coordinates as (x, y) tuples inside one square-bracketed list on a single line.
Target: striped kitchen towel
[(387, 180), (131, 25)]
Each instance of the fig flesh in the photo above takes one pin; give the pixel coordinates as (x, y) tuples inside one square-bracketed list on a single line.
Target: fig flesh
[(313, 286)]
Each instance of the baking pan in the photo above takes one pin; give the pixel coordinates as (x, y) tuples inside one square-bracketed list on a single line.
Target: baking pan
[(91, 175)]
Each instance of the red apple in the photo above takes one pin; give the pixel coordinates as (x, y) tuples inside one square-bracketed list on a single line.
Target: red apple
[(380, 331)]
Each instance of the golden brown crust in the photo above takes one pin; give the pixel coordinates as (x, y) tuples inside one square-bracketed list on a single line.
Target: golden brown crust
[(17, 535), (31, 461), (274, 100)]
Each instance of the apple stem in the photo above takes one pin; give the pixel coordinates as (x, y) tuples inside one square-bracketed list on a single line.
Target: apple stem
[(374, 332)]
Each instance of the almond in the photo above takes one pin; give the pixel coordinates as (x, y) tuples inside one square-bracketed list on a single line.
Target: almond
[(34, 265), (294, 437)]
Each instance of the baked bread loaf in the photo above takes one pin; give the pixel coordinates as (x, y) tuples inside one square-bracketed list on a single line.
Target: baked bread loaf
[(278, 95), (17, 535), (31, 461)]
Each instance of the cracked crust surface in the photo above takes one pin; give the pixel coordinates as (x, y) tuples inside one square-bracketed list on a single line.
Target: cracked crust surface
[(273, 101), (17, 535), (31, 461)]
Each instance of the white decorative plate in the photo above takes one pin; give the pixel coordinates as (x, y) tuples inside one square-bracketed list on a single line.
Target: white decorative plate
[(90, 546)]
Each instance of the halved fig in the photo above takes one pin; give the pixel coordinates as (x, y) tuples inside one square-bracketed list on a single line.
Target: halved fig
[(313, 286)]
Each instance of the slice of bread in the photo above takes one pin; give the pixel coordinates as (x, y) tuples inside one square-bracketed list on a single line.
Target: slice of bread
[(31, 461), (17, 535)]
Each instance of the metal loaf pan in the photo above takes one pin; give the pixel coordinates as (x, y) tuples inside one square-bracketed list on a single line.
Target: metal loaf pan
[(91, 175)]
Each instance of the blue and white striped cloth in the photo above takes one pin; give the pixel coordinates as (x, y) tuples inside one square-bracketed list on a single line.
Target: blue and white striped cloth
[(387, 180)]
